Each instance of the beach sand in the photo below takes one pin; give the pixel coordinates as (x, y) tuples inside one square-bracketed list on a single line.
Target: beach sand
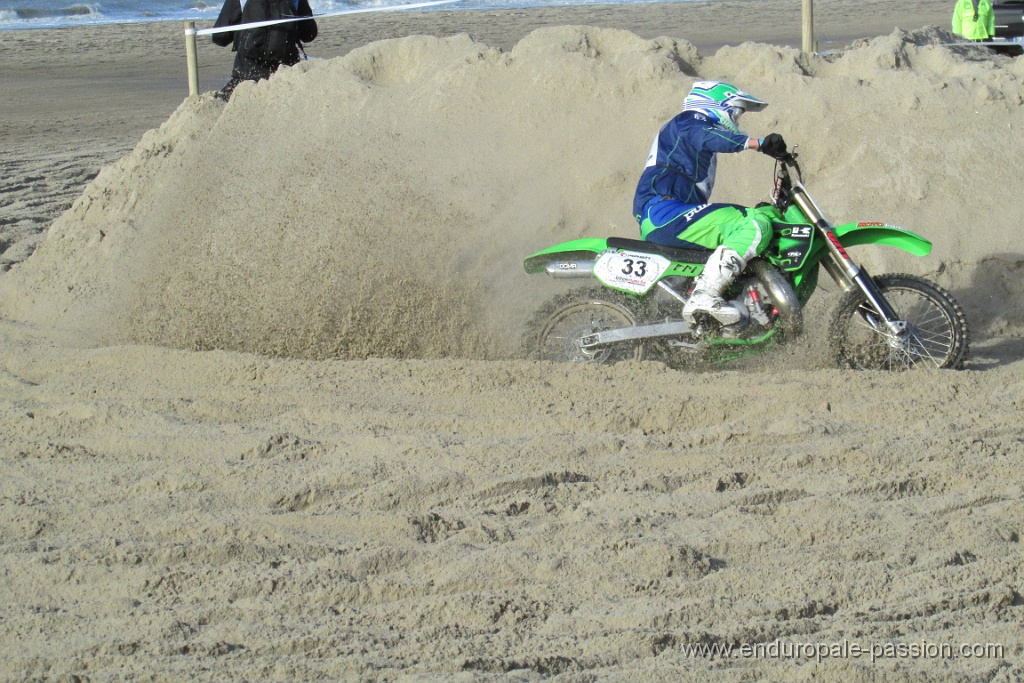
[(263, 414)]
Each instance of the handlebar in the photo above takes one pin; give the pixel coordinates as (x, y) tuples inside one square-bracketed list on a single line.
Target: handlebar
[(789, 158), (783, 182)]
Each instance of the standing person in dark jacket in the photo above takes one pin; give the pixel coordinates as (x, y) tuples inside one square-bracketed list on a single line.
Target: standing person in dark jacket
[(260, 51)]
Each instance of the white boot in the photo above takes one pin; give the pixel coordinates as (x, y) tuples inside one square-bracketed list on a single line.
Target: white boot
[(720, 271)]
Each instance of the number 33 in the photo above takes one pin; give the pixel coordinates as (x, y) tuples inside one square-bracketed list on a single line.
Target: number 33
[(638, 268)]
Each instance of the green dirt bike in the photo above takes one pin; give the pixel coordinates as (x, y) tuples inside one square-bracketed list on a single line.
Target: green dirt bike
[(890, 322)]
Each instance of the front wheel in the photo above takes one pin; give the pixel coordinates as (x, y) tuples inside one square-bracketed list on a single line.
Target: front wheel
[(555, 331), (936, 334)]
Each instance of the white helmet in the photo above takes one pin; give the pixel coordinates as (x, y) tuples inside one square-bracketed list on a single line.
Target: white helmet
[(721, 102)]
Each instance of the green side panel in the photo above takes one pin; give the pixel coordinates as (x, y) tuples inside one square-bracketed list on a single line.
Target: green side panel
[(790, 245), (571, 250), (682, 269), (856, 234)]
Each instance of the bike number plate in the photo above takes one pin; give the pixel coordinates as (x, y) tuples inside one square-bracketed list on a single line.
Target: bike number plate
[(630, 271)]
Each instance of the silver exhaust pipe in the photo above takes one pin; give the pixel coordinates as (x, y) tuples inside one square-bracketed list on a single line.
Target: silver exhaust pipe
[(569, 269), (782, 294)]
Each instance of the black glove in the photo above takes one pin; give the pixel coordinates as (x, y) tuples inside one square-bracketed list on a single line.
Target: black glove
[(773, 145)]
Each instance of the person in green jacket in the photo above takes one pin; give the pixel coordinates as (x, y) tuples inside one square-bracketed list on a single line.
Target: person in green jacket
[(973, 19)]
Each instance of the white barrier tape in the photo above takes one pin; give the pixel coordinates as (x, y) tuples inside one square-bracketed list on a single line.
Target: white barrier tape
[(988, 42), (257, 24)]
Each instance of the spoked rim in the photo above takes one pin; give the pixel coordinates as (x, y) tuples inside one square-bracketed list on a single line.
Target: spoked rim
[(559, 340), (926, 342)]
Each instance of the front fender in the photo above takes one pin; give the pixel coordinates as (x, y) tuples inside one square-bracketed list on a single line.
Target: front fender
[(856, 234), (574, 249)]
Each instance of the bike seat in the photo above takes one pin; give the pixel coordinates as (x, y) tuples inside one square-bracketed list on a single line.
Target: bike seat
[(673, 253)]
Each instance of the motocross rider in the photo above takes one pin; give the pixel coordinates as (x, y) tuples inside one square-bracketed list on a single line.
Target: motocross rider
[(671, 201)]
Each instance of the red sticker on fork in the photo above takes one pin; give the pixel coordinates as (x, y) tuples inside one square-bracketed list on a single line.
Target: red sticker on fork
[(835, 243)]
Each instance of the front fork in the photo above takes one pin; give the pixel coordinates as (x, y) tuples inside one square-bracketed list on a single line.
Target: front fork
[(846, 273)]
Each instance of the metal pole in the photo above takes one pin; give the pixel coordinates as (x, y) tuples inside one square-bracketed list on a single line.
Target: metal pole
[(190, 57), (808, 28)]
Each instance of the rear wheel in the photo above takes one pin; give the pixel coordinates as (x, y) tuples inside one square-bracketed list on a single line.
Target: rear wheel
[(936, 333), (556, 330)]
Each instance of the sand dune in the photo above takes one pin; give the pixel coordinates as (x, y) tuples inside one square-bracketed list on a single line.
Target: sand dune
[(394, 188)]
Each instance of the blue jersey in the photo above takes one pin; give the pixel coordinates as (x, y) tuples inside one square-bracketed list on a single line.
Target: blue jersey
[(683, 158)]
